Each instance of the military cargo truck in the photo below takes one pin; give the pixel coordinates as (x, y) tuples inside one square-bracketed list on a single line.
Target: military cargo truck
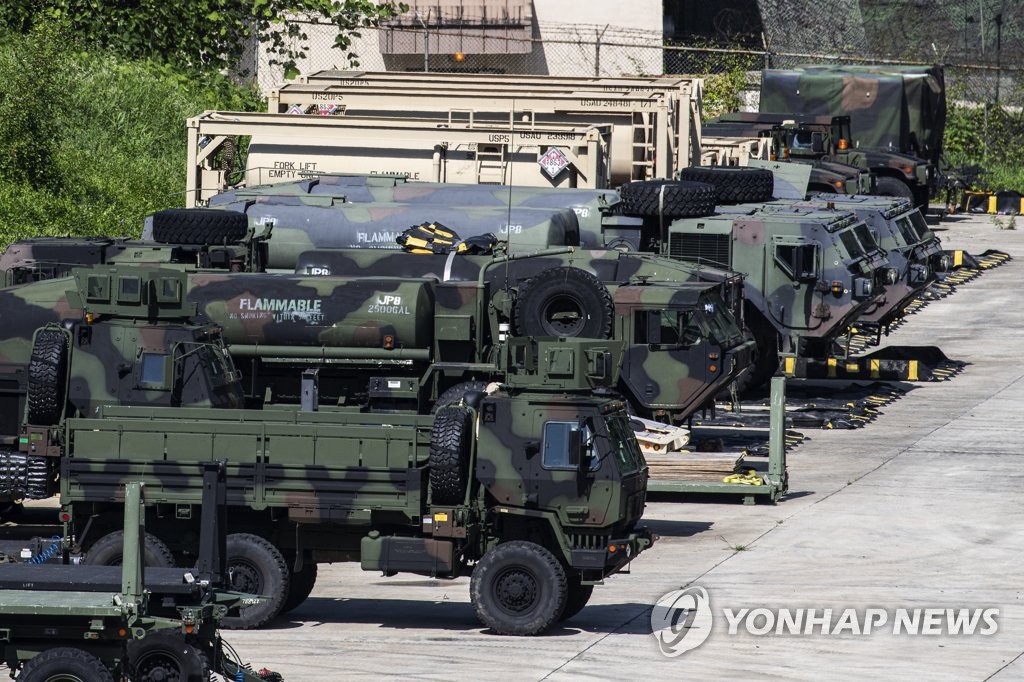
[(896, 108), (606, 218), (98, 624), (829, 138), (131, 341), (826, 176), (432, 321), (534, 484)]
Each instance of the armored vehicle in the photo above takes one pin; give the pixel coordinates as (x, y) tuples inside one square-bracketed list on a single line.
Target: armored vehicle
[(808, 274)]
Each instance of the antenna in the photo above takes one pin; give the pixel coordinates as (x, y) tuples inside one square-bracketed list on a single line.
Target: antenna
[(510, 166)]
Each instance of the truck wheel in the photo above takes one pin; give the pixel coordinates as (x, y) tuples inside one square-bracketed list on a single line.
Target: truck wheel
[(109, 551), (449, 454), (47, 377), (734, 185), (886, 186), (455, 393), (576, 598), (518, 588), (300, 587), (256, 567), (165, 656), (199, 226), (667, 198), (564, 301), (65, 664)]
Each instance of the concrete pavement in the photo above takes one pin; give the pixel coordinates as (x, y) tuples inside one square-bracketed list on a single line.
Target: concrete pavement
[(920, 509)]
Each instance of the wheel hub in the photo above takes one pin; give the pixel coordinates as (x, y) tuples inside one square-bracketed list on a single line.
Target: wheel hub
[(564, 316), (516, 590), (245, 578), (158, 668)]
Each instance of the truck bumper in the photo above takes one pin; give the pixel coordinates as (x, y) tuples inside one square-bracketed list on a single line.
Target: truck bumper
[(615, 555)]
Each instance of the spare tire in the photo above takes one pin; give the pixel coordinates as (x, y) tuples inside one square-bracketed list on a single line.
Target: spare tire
[(734, 185), (454, 394), (564, 301), (199, 226), (449, 454), (669, 198), (47, 377)]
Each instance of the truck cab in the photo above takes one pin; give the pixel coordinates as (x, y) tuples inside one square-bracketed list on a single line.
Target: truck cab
[(808, 273)]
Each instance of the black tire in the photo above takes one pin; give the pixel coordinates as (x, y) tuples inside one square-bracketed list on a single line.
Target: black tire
[(47, 377), (518, 588), (109, 551), (199, 226), (576, 598), (765, 360), (669, 198), (734, 185), (65, 664), (449, 454), (886, 186), (564, 301), (300, 586), (455, 393), (256, 567), (163, 656)]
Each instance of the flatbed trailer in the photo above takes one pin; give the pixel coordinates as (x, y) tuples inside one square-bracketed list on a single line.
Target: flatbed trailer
[(769, 485)]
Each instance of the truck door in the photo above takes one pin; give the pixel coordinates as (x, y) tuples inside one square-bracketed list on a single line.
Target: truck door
[(555, 480), (667, 362)]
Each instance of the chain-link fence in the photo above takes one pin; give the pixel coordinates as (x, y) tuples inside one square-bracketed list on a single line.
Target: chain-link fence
[(980, 42), (984, 56)]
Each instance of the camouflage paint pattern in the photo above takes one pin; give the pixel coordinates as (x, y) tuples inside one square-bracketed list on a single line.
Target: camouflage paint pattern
[(598, 224), (911, 248), (330, 478), (808, 273), (901, 108), (299, 226)]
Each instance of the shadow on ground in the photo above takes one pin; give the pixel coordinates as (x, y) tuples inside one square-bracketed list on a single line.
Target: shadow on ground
[(454, 617)]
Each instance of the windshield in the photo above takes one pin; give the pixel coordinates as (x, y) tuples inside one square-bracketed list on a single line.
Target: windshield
[(851, 244), (907, 230), (918, 221), (865, 237), (722, 327), (622, 442)]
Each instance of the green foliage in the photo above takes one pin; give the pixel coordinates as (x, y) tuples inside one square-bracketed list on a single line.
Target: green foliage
[(104, 143), (198, 35), (726, 76), (989, 136)]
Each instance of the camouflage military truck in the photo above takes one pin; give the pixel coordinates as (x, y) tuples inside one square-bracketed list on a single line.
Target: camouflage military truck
[(826, 176), (534, 484), (913, 250), (98, 624), (100, 337), (605, 218), (829, 138), (807, 274), (897, 108), (425, 316)]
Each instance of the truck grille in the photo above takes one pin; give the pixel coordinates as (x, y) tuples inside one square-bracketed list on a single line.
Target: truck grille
[(710, 249)]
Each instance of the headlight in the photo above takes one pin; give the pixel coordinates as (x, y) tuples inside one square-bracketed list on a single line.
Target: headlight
[(862, 288)]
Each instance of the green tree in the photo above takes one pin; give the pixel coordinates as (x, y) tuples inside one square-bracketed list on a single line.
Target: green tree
[(199, 35)]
